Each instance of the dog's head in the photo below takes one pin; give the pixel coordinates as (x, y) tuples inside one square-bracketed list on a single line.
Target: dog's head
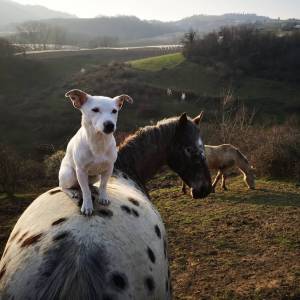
[(100, 111)]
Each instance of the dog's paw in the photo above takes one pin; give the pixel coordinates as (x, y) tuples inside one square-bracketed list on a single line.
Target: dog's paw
[(104, 201), (87, 208)]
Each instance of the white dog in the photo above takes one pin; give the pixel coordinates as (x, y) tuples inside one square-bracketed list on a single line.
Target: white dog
[(92, 152)]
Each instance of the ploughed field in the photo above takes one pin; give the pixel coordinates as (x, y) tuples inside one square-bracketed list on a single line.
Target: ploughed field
[(232, 245)]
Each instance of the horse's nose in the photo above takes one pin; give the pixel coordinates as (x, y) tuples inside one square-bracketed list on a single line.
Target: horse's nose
[(108, 127), (202, 192)]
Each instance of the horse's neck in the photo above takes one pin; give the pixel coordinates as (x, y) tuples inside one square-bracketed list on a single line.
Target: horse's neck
[(243, 165), (144, 155)]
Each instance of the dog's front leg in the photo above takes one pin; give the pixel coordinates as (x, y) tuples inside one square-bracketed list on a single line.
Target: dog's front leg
[(87, 203), (105, 175)]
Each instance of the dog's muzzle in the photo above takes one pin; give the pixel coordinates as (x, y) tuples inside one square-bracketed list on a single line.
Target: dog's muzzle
[(108, 127)]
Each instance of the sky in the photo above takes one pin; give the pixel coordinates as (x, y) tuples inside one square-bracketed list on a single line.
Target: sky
[(167, 10)]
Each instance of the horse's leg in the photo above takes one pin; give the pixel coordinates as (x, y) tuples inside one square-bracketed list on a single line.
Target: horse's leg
[(217, 178), (183, 187), (223, 184)]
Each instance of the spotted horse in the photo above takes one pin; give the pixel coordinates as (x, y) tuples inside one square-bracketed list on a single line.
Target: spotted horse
[(120, 252)]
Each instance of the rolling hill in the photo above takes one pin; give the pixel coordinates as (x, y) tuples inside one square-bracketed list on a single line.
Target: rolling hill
[(128, 29), (13, 12)]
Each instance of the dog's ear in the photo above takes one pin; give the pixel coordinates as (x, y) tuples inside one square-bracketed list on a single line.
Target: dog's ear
[(198, 119), (120, 100), (77, 97)]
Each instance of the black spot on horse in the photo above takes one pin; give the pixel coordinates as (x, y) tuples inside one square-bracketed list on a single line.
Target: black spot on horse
[(134, 201), (135, 212), (119, 281), (151, 255), (55, 192), (60, 236), (104, 212), (31, 240), (149, 283), (167, 285), (157, 231), (23, 236), (72, 270), (165, 248), (58, 221), (126, 209)]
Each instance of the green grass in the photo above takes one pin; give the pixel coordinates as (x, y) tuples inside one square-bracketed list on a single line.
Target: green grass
[(268, 97), (158, 63)]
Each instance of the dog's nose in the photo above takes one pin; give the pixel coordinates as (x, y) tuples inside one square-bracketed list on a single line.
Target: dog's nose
[(109, 127)]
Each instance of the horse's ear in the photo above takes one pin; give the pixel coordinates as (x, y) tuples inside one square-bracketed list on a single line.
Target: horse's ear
[(199, 118), (182, 119), (77, 97)]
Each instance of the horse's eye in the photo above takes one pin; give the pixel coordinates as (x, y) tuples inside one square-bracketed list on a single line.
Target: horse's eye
[(188, 150), (114, 111), (96, 110)]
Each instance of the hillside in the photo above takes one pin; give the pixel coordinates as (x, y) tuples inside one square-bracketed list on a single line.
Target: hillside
[(132, 30), (147, 81), (208, 23), (204, 86), (13, 12)]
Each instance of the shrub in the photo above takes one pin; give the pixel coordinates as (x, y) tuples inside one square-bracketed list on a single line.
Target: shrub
[(52, 164)]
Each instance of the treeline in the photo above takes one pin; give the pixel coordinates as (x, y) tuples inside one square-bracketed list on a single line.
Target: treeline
[(39, 35), (247, 50)]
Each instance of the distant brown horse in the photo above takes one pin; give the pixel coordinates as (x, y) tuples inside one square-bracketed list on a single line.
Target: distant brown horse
[(224, 158)]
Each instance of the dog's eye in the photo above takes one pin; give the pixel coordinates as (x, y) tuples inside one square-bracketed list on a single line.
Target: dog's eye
[(95, 110), (114, 111)]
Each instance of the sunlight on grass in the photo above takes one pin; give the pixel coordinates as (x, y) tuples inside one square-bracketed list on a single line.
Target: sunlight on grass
[(158, 63)]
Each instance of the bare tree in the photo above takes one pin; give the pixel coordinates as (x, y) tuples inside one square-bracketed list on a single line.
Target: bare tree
[(233, 118), (40, 34)]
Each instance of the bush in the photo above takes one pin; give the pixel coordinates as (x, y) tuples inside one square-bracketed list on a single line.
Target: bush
[(52, 165), (274, 151)]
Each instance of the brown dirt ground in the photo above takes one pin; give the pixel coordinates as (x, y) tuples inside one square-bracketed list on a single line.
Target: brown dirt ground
[(232, 245)]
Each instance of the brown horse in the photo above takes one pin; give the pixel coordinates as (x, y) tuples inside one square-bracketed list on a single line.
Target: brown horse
[(225, 158)]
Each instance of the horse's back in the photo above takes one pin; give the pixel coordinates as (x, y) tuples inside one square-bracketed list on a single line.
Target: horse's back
[(119, 253)]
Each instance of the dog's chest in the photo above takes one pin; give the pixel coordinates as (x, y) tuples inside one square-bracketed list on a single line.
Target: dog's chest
[(99, 164)]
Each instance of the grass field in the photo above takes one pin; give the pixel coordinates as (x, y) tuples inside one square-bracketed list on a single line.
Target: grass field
[(270, 97), (238, 244), (158, 63)]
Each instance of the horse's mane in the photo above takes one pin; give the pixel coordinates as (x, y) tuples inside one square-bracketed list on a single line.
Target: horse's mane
[(145, 139), (150, 132)]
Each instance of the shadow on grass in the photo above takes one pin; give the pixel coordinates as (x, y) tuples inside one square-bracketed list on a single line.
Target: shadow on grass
[(264, 197)]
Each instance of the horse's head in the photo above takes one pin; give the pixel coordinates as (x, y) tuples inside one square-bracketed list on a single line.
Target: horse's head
[(186, 156)]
